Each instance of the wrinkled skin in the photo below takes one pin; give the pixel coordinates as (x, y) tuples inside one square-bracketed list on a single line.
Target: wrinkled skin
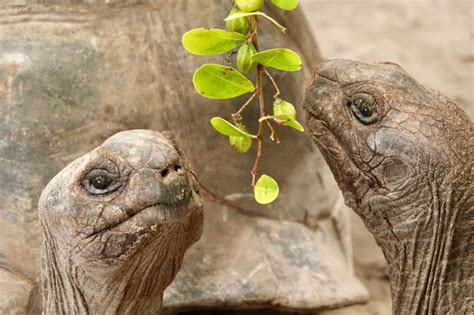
[(403, 156), (117, 222)]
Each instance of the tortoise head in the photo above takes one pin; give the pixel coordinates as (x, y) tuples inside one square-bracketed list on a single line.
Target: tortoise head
[(382, 133), (131, 204)]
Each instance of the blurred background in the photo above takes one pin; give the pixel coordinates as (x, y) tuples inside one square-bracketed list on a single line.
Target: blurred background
[(434, 41)]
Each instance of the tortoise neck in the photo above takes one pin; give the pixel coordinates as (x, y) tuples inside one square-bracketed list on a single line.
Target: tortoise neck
[(132, 287), (430, 264)]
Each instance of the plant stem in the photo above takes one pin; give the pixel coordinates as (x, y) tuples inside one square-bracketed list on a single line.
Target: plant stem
[(261, 102), (246, 104), (254, 29), (277, 94), (259, 153), (273, 135)]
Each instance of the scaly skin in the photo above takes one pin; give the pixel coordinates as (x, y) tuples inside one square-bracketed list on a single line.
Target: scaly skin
[(115, 250), (407, 171)]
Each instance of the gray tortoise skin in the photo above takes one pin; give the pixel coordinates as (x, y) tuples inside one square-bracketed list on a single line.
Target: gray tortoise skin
[(402, 154), (116, 224)]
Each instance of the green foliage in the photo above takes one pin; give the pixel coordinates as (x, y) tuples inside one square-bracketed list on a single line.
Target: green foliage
[(216, 81), (249, 5), (225, 128), (294, 124), (266, 190), (240, 25), (284, 113), (279, 58), (240, 144), (287, 5), (244, 58), (201, 41), (244, 14), (220, 82), (283, 110)]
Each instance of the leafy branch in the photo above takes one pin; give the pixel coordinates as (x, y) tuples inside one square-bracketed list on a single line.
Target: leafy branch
[(225, 81)]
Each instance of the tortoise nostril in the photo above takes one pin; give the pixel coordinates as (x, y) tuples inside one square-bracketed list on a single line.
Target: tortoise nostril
[(164, 172), (173, 168)]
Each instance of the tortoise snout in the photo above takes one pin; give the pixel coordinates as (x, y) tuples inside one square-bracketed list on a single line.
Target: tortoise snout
[(172, 171), (175, 181)]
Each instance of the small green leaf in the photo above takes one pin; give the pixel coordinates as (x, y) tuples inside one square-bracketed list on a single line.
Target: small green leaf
[(220, 82), (242, 14), (287, 5), (201, 41), (244, 58), (284, 110), (265, 190), (294, 124), (240, 144), (241, 25), (279, 58), (249, 5), (225, 128)]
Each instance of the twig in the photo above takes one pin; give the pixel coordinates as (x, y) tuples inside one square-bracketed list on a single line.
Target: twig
[(277, 94), (246, 103), (259, 153), (273, 135), (261, 102), (253, 35)]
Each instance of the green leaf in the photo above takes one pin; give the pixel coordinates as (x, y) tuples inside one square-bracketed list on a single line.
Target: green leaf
[(225, 128), (287, 5), (265, 190), (284, 110), (249, 5), (201, 41), (240, 144), (279, 58), (294, 124), (241, 25), (220, 82), (242, 14), (244, 58)]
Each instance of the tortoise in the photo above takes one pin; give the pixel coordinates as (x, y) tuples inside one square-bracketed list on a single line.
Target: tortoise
[(116, 224), (73, 73), (403, 156)]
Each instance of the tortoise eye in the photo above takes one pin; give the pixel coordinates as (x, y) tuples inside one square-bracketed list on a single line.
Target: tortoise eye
[(364, 109), (100, 182)]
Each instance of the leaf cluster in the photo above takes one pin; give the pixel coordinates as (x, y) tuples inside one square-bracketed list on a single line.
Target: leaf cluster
[(226, 81)]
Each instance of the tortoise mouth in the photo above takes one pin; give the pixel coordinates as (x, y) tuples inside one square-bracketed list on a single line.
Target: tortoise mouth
[(159, 212), (138, 231), (353, 182)]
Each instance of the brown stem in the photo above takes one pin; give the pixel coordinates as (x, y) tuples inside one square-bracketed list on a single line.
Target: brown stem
[(253, 35), (277, 90), (259, 153), (273, 135), (246, 104), (261, 102)]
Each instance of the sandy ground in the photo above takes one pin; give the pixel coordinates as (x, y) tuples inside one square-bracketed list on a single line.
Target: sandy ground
[(434, 41)]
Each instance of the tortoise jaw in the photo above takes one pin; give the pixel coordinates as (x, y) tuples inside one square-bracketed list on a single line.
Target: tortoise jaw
[(124, 238), (160, 212), (352, 181)]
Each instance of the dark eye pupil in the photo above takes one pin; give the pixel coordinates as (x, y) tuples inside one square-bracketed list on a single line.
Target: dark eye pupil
[(366, 111), (364, 108), (100, 182)]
